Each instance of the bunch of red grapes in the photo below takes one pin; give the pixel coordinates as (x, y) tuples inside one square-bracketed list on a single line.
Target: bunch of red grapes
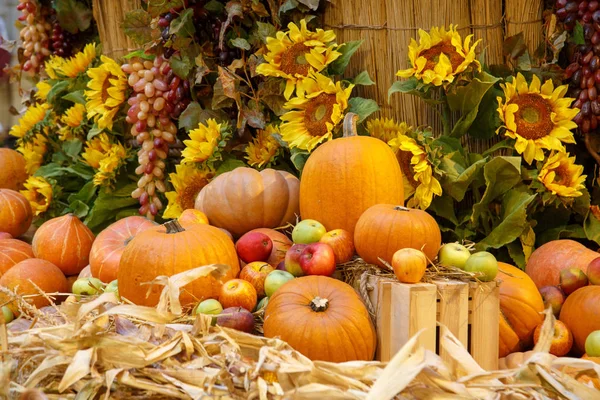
[(62, 41), (34, 35)]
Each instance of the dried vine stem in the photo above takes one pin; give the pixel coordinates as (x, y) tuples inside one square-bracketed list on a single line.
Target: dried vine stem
[(590, 148)]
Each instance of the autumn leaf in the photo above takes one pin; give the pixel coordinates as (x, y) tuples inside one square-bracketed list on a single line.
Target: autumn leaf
[(137, 26), (157, 7), (72, 15)]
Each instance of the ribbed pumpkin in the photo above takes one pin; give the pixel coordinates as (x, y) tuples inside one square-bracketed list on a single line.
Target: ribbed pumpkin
[(13, 251), (169, 250), (65, 242), (515, 360), (192, 216), (386, 228), (344, 177), (520, 307), (108, 247), (12, 169), (546, 262), (15, 212), (322, 318), (44, 274), (245, 199), (581, 313)]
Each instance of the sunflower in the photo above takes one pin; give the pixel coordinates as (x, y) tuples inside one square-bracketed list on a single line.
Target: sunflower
[(39, 194), (108, 85), (43, 87), (187, 182), (319, 107), (73, 117), (79, 62), (110, 164), (292, 55), (96, 149), (536, 117), (439, 56), (54, 65), (417, 171), (33, 151), (264, 148), (562, 176), (205, 142), (33, 115), (386, 129)]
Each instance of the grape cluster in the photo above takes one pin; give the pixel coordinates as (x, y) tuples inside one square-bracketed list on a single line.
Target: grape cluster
[(34, 35), (158, 97), (62, 41)]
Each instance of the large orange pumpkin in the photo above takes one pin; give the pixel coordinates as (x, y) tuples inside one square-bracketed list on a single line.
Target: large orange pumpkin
[(109, 246), (47, 276), (385, 228), (344, 177), (15, 212), (169, 250), (13, 251), (12, 169), (546, 262), (64, 241), (520, 307), (322, 318), (281, 245), (581, 313), (245, 199)]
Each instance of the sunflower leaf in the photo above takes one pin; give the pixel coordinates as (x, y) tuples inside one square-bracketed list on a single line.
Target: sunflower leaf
[(591, 227), (443, 206), (79, 208), (487, 121), (229, 164), (94, 131), (75, 97), (56, 90), (74, 16), (137, 26), (72, 148), (265, 30), (298, 158), (363, 79), (362, 107), (456, 180), (338, 67)]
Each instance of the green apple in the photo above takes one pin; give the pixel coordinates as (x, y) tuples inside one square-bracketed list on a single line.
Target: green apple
[(275, 280), (7, 314), (485, 264), (453, 255), (308, 231), (87, 286), (262, 304), (113, 287), (592, 344), (209, 306)]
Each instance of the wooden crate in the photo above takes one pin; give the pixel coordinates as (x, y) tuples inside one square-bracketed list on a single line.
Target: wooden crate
[(469, 310)]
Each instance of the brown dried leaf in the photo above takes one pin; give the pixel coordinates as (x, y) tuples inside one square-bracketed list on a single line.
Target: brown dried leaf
[(80, 366)]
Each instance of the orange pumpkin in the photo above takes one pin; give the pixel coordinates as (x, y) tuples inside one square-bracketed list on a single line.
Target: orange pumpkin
[(47, 276), (15, 212), (344, 177), (245, 199), (13, 251), (581, 313), (192, 216), (385, 228), (12, 169), (65, 242), (169, 250), (108, 247), (546, 262), (520, 307), (281, 245), (322, 318), (409, 265)]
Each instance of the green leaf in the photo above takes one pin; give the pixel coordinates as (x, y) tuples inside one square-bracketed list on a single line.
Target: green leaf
[(183, 25), (363, 79), (240, 43), (181, 65), (72, 148), (289, 5), (265, 30), (108, 203), (141, 53), (312, 4), (75, 97), (505, 144), (50, 170), (229, 164), (298, 158), (137, 25), (513, 220), (84, 171), (456, 180), (79, 208), (414, 87), (87, 193), (338, 67), (57, 90), (591, 227), (514, 46), (157, 7), (215, 7), (94, 131), (190, 117), (73, 15), (516, 253), (443, 206), (362, 107), (578, 37)]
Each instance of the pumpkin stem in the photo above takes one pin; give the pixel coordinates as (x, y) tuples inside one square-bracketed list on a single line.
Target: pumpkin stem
[(173, 226), (349, 126), (401, 208), (319, 305)]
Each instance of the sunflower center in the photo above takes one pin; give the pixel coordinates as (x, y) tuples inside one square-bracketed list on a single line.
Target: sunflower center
[(562, 176), (293, 60), (533, 118), (187, 197), (105, 86), (404, 158), (318, 114), (433, 55)]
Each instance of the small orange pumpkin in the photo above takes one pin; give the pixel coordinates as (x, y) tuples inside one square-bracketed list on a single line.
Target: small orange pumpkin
[(581, 313), (15, 213), (12, 169), (65, 242), (409, 265), (13, 251)]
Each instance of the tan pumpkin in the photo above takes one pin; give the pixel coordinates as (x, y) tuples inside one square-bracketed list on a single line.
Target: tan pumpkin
[(108, 247), (520, 307), (344, 177), (386, 228), (169, 250), (15, 213), (13, 251), (245, 199), (322, 318), (516, 360), (581, 313), (65, 242), (546, 262), (12, 169)]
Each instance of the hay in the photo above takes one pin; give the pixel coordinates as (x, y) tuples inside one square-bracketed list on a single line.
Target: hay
[(109, 15)]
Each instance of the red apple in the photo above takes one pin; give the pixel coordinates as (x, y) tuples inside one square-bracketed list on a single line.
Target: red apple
[(5, 235), (256, 273), (281, 244), (553, 297), (562, 340), (572, 279), (254, 246), (342, 243), (292, 260), (238, 293), (281, 266), (593, 271), (318, 259), (236, 318)]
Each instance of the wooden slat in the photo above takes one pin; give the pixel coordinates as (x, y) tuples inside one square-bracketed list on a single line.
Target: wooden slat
[(485, 307), (453, 306)]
